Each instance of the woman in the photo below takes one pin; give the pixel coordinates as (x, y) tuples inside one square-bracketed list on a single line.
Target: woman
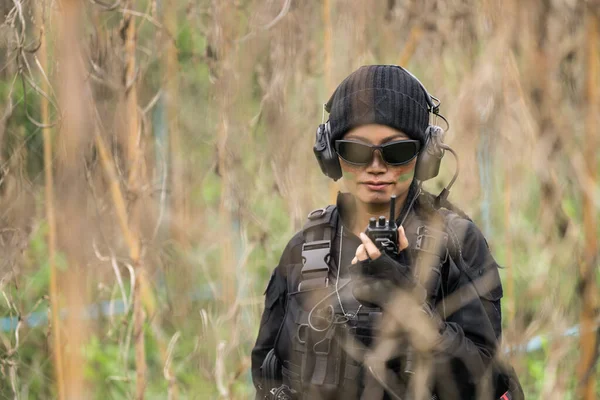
[(339, 318)]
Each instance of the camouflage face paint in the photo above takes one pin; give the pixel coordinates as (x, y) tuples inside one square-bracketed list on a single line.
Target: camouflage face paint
[(408, 175), (350, 176)]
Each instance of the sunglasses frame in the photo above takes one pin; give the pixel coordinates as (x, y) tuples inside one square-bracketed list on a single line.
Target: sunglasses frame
[(379, 147)]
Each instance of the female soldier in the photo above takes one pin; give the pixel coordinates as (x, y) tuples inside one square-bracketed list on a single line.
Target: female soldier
[(339, 318)]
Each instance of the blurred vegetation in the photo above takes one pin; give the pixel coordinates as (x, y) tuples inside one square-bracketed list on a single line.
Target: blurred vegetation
[(229, 94)]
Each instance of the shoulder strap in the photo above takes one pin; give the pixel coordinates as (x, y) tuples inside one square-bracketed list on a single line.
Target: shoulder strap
[(434, 242), (318, 234), (321, 224), (453, 246)]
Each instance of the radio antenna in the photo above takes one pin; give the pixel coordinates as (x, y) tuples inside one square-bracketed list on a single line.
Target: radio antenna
[(392, 211)]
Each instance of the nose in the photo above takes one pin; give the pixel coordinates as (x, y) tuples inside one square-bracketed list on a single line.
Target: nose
[(377, 165)]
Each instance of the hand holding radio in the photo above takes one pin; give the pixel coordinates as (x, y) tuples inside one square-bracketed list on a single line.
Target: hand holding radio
[(377, 270), (381, 235)]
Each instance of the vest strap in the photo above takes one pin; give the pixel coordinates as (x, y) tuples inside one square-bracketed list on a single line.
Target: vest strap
[(315, 269), (316, 250), (432, 253)]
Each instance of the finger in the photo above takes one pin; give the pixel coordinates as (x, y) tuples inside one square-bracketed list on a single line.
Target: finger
[(359, 250), (370, 247), (354, 260), (402, 240), (361, 253)]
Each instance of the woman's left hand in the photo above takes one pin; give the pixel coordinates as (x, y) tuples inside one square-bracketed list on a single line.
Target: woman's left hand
[(368, 249)]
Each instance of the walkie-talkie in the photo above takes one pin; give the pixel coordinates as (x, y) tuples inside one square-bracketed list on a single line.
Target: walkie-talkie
[(383, 232)]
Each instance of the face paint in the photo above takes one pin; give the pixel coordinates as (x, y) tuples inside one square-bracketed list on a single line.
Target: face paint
[(350, 176), (408, 175)]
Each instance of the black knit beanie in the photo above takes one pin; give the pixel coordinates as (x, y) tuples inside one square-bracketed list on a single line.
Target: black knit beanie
[(379, 94)]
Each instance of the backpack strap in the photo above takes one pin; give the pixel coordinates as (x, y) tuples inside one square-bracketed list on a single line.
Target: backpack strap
[(316, 251), (434, 246), (432, 252), (454, 251)]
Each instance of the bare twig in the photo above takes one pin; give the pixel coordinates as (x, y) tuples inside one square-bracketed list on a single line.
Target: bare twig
[(167, 368), (106, 6), (163, 195), (142, 15), (284, 10), (113, 261), (220, 371)]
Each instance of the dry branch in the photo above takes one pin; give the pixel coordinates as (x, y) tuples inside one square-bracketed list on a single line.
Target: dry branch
[(589, 290), (134, 158), (50, 213), (178, 195), (71, 212), (134, 254)]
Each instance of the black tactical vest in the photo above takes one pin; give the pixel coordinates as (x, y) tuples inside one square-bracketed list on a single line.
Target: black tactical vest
[(321, 347)]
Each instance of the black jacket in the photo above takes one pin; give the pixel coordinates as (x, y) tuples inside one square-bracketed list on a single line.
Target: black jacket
[(469, 335)]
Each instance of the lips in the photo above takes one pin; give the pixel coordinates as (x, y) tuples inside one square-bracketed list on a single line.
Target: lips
[(376, 185)]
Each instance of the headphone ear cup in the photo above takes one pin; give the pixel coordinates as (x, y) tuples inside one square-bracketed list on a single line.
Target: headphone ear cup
[(430, 157), (325, 154)]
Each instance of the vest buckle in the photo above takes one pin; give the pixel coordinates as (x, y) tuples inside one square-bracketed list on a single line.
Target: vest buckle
[(315, 260)]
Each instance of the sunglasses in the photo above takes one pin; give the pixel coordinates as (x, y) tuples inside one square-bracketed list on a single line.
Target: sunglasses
[(393, 153)]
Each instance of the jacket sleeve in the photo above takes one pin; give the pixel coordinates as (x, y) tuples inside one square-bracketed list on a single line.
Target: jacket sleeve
[(274, 311), (270, 322), (469, 335)]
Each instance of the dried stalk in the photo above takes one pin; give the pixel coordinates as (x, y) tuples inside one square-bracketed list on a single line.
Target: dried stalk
[(134, 158), (54, 300), (178, 203), (131, 103), (72, 229), (224, 88), (328, 49), (134, 253), (411, 45), (510, 287), (167, 372), (142, 295), (589, 290)]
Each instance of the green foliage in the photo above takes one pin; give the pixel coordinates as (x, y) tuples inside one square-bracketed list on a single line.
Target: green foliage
[(211, 189), (106, 370), (274, 93)]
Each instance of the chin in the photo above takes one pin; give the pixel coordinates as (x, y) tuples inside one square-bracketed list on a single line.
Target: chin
[(367, 196)]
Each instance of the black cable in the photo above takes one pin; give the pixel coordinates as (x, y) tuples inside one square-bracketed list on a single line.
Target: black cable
[(310, 324), (412, 202), (441, 199)]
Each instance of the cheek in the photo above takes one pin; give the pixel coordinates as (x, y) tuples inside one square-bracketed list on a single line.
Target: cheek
[(406, 176), (405, 173), (349, 177), (349, 172)]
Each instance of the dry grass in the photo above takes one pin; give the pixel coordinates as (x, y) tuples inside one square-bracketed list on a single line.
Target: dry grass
[(207, 112)]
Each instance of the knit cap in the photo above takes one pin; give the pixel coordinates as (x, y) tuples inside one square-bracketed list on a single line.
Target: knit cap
[(379, 94)]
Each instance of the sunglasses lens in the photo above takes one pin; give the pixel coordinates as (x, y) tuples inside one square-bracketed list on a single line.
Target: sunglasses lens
[(400, 152), (355, 153)]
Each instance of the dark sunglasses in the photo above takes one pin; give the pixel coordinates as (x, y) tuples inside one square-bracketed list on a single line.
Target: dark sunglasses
[(393, 153)]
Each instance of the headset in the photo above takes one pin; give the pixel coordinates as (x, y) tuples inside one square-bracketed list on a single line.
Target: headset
[(428, 160)]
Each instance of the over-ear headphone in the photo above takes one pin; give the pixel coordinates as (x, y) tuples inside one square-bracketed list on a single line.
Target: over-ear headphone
[(326, 155), (428, 160)]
